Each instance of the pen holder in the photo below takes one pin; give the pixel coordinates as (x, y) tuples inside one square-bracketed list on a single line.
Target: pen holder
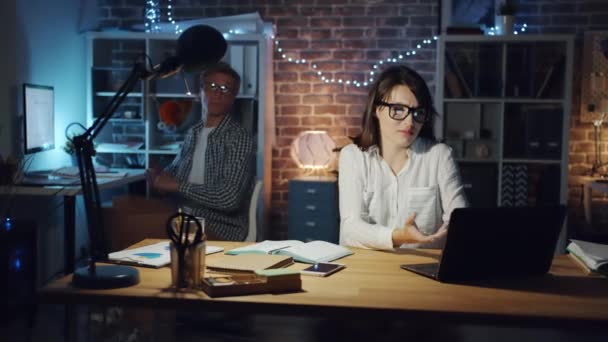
[(187, 265)]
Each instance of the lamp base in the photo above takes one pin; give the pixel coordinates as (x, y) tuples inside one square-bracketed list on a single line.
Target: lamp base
[(105, 277)]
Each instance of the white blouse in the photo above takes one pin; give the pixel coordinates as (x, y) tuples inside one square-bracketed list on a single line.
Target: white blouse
[(374, 202)]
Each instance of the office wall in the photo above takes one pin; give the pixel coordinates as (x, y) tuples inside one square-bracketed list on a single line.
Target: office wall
[(46, 48), (51, 52), (344, 38)]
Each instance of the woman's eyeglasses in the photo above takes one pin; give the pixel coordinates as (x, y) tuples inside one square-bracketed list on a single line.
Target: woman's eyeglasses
[(220, 88), (399, 112)]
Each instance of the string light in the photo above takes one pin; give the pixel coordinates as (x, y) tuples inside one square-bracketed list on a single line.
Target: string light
[(395, 58), (493, 31), (152, 16), (325, 78)]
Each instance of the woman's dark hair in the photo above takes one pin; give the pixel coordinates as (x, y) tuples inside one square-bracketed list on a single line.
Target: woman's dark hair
[(387, 80)]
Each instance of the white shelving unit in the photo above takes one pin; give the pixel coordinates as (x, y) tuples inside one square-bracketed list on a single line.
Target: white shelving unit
[(110, 56), (504, 104)]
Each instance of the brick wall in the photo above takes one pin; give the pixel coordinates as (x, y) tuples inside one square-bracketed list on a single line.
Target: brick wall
[(344, 38)]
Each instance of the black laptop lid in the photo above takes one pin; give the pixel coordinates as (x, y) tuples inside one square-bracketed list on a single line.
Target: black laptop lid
[(500, 242)]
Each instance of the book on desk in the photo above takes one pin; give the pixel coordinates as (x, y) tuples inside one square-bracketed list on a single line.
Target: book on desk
[(592, 257), (312, 252), (248, 263), (260, 281)]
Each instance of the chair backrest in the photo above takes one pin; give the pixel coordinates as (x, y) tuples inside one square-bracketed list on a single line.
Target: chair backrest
[(253, 208)]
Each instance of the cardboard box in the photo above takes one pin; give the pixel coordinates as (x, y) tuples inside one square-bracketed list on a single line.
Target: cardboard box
[(133, 218)]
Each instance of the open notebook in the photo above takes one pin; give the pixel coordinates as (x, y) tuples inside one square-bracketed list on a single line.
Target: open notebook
[(155, 255), (308, 252)]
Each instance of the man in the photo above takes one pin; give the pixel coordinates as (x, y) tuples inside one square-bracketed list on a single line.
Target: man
[(213, 172)]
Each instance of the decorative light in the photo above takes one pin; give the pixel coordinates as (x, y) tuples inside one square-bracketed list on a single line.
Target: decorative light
[(152, 16), (399, 57), (493, 31), (313, 150)]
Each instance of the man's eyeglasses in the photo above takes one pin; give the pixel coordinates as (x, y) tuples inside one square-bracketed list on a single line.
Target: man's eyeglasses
[(399, 112), (220, 88)]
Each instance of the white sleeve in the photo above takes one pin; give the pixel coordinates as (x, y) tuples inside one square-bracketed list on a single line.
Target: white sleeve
[(354, 231), (450, 185)]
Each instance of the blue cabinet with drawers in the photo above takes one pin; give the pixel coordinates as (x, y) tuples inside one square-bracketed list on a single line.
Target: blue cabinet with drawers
[(313, 209)]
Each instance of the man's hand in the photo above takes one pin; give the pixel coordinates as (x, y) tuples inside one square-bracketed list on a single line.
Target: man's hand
[(410, 233), (161, 181)]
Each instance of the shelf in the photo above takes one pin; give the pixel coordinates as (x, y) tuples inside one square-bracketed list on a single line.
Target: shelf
[(474, 160), (175, 95), (109, 93), (501, 99), (119, 150), (157, 151), (505, 104), (531, 161), (123, 120), (111, 68)]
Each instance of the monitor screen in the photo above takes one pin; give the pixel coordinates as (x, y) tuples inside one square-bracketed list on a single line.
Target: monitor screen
[(39, 118)]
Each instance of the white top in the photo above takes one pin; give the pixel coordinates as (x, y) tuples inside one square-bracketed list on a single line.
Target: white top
[(197, 172), (374, 202)]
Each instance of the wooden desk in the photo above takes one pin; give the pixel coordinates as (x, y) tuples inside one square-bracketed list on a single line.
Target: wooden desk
[(69, 194), (373, 286)]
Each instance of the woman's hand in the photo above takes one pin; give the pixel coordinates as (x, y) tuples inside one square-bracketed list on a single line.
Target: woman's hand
[(411, 234)]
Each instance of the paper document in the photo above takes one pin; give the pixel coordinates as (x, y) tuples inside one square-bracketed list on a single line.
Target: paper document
[(310, 252), (156, 255)]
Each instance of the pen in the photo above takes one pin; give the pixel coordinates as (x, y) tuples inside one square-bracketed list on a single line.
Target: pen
[(179, 223)]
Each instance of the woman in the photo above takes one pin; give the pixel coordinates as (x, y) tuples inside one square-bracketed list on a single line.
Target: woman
[(397, 185)]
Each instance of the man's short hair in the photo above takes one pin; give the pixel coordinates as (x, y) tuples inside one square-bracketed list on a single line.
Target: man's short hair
[(221, 68)]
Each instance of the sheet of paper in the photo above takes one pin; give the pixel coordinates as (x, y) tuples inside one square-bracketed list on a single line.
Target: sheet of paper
[(157, 254)]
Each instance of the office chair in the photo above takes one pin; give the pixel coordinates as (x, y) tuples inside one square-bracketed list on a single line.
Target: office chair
[(253, 208)]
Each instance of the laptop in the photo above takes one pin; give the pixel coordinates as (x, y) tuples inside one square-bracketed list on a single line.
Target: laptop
[(485, 243)]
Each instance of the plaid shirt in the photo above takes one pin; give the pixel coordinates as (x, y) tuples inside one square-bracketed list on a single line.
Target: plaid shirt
[(223, 199)]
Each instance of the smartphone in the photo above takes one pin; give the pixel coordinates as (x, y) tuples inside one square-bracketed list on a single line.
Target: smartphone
[(322, 269)]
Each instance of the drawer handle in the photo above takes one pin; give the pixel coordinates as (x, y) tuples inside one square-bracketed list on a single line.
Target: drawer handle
[(311, 191), (311, 207), (311, 223)]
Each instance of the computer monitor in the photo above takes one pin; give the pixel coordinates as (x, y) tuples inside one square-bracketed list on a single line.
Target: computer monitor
[(39, 118)]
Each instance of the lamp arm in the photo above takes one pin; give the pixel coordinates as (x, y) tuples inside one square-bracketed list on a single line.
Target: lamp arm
[(85, 151)]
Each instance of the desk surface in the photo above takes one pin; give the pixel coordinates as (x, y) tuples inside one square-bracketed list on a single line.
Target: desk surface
[(133, 175), (373, 285)]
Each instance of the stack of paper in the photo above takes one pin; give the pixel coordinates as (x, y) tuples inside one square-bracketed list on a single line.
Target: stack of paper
[(590, 255)]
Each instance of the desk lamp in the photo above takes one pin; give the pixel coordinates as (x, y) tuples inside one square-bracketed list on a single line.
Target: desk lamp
[(197, 47), (313, 150)]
